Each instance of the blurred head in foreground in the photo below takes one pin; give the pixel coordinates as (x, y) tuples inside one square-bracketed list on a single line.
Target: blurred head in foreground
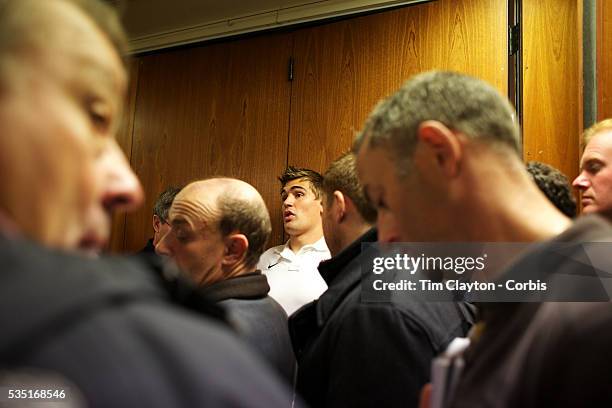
[(62, 85)]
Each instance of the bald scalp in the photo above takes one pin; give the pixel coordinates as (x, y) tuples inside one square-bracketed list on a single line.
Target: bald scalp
[(234, 206)]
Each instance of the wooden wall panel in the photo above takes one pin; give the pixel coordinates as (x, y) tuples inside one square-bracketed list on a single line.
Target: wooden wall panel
[(604, 59), (124, 139), (552, 83), (220, 109), (342, 69)]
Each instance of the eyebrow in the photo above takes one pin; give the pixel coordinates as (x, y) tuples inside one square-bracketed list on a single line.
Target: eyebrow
[(293, 188), (590, 160), (179, 223)]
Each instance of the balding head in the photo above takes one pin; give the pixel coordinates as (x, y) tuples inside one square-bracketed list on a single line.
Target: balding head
[(219, 210)]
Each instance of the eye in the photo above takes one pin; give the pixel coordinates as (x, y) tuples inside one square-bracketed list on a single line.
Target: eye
[(299, 194), (99, 115), (183, 237), (593, 167)]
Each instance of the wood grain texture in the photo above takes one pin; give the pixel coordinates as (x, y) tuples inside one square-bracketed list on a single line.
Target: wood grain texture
[(604, 59), (342, 69), (552, 83), (124, 139), (219, 109)]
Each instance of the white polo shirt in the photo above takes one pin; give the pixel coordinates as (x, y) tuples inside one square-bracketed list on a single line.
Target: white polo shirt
[(294, 278)]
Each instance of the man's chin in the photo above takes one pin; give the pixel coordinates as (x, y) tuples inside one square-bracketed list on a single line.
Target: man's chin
[(92, 245), (605, 212)]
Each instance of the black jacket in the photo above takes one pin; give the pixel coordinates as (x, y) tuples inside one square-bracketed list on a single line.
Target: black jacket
[(549, 354), (258, 318), (108, 327), (356, 354), (149, 248)]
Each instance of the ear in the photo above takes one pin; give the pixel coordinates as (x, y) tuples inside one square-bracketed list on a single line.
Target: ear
[(156, 223), (339, 206), (236, 247), (444, 144)]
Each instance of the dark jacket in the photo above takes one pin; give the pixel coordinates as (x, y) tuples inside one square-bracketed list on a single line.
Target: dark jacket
[(258, 318), (552, 354), (356, 354), (149, 248), (108, 327)]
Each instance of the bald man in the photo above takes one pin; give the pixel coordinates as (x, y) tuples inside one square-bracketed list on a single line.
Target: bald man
[(219, 228)]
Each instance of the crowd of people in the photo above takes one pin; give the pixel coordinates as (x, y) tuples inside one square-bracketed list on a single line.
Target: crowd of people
[(204, 315)]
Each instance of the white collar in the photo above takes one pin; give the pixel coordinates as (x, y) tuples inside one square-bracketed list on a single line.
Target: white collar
[(286, 251)]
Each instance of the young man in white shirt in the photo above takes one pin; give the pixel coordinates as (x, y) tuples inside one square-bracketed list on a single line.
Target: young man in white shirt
[(292, 268)]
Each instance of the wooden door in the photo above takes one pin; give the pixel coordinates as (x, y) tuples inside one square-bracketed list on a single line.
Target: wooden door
[(604, 59), (220, 109), (552, 83), (342, 69)]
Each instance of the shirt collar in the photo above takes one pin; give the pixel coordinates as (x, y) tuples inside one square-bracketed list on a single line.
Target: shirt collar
[(286, 252)]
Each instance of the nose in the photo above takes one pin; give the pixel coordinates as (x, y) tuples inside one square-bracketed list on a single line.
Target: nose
[(288, 202), (581, 182), (387, 229), (122, 191)]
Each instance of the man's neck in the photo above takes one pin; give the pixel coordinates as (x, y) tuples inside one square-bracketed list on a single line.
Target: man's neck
[(226, 272), (297, 242), (508, 207), (351, 234)]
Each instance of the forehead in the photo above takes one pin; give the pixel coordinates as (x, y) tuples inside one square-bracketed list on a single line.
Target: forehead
[(600, 146), (372, 162), (190, 208), (297, 184), (76, 47)]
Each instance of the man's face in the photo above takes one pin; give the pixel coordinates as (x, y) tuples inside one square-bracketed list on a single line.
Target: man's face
[(194, 242), (397, 201), (595, 179), (58, 115), (301, 209)]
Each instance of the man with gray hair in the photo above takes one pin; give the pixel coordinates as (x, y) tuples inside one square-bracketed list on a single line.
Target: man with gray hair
[(441, 155), (219, 228)]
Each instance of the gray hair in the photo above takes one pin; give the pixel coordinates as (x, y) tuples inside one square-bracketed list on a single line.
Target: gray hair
[(248, 216), (164, 202), (460, 102)]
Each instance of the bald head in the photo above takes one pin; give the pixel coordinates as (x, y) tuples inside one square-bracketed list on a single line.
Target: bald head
[(231, 206)]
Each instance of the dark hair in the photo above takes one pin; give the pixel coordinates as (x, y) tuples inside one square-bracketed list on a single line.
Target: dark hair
[(342, 176), (294, 173), (249, 217), (554, 185), (164, 202)]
